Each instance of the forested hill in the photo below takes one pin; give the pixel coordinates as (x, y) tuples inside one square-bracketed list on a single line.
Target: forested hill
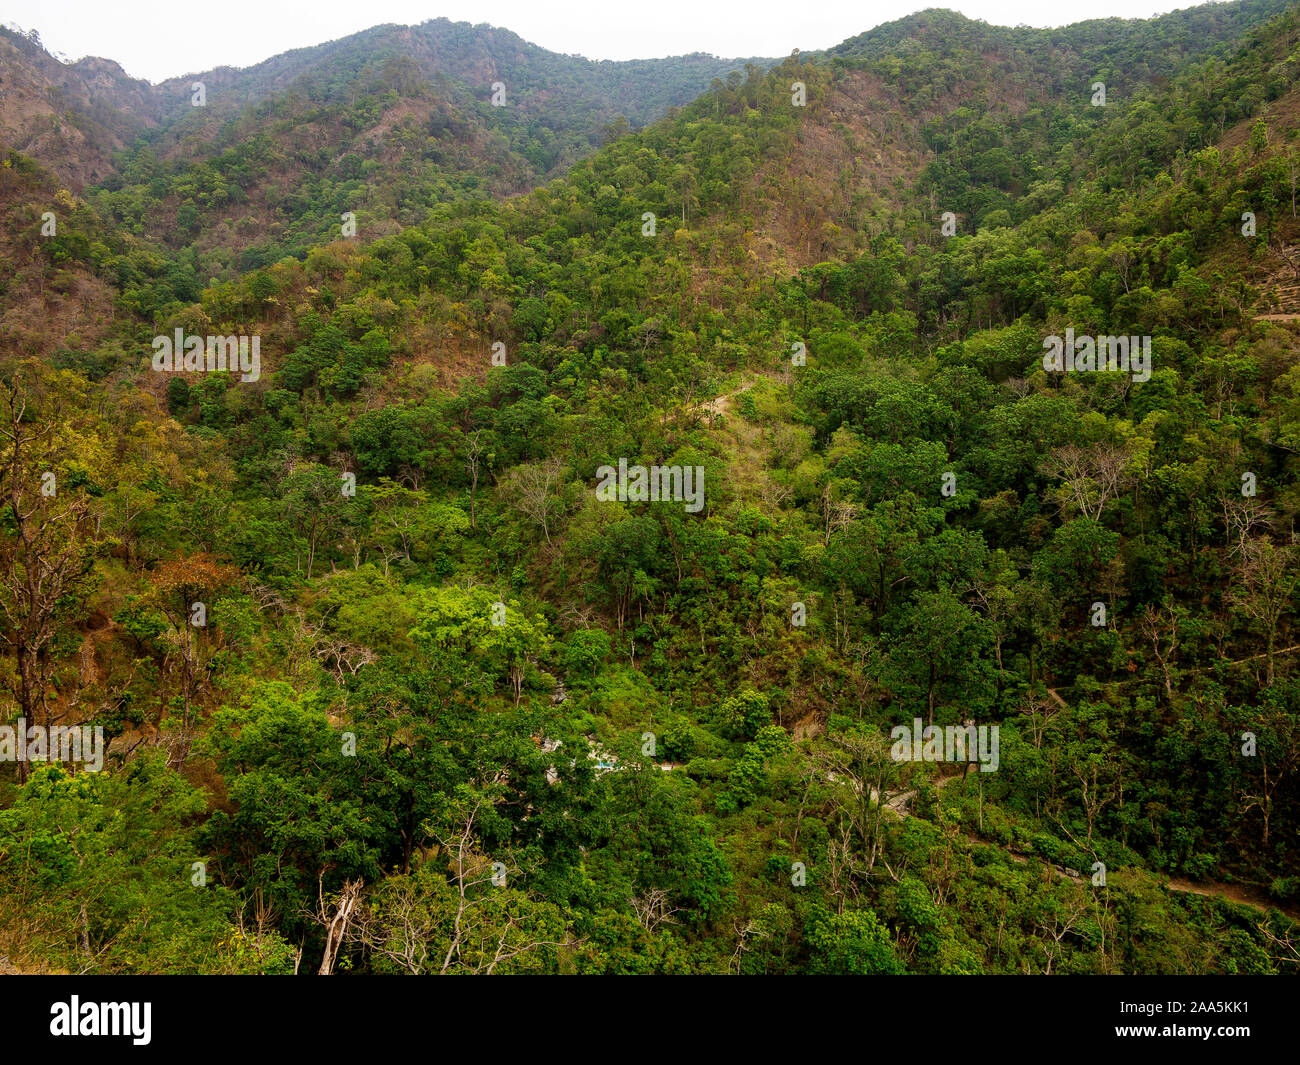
[(71, 116), (1137, 48), (375, 649), (260, 162)]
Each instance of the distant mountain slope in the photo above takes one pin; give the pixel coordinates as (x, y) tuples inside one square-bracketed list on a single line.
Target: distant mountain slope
[(1137, 48), (49, 298), (1009, 113), (70, 284), (384, 123), (70, 117), (564, 90)]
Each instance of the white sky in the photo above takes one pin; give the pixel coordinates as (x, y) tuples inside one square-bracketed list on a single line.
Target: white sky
[(158, 39)]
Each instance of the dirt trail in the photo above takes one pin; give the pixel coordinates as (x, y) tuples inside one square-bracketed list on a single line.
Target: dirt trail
[(1229, 892), (748, 379), (722, 404), (899, 802), (1243, 896)]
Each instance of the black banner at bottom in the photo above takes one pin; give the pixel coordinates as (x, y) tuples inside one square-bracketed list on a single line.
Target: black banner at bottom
[(147, 1015)]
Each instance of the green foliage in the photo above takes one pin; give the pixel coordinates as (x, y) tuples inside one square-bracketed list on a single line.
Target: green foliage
[(400, 690)]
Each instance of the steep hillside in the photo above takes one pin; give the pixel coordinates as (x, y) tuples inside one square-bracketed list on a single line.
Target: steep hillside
[(384, 125), (812, 309), (74, 117), (71, 286)]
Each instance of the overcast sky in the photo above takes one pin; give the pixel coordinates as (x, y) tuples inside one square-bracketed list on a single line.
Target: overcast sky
[(158, 39)]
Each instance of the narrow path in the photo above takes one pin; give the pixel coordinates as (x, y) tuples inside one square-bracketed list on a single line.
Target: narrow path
[(1253, 658), (1237, 893), (722, 404), (1228, 892)]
